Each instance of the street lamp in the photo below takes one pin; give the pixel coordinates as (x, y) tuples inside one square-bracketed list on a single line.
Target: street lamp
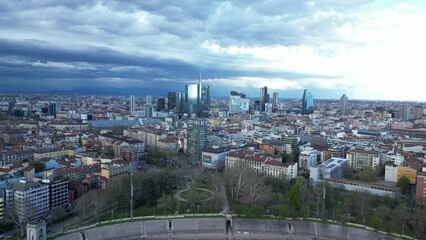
[(349, 215), (112, 215), (198, 207)]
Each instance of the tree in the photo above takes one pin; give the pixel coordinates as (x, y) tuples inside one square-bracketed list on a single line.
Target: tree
[(366, 175), (404, 184), (285, 157), (256, 191), (237, 178), (376, 222)]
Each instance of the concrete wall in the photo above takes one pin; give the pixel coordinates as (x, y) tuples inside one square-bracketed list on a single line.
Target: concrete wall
[(202, 228)]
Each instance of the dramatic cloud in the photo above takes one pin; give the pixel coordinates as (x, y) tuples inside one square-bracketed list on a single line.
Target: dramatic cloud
[(366, 49)]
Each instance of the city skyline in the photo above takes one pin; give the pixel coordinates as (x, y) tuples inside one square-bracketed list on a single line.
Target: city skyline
[(366, 49)]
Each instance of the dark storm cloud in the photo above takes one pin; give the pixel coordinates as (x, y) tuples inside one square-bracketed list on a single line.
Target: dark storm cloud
[(74, 44)]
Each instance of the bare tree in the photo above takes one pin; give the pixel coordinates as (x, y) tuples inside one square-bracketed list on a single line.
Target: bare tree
[(256, 190), (237, 178)]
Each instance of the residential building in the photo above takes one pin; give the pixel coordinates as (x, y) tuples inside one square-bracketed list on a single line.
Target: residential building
[(421, 188), (197, 138), (29, 200), (58, 191), (308, 158), (394, 158), (261, 164), (361, 159)]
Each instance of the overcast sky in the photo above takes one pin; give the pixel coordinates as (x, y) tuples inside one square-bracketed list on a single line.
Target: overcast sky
[(366, 49)]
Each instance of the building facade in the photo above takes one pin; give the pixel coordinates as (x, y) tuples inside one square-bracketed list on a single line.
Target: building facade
[(197, 138)]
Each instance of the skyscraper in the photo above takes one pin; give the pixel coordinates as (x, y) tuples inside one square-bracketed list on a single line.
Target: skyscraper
[(275, 98), (52, 110), (205, 98), (405, 112), (417, 112), (197, 138), (171, 100), (307, 103), (132, 104), (180, 100), (344, 104), (263, 98), (161, 104), (238, 103), (192, 98)]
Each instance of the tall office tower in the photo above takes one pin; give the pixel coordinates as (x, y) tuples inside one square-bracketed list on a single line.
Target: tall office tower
[(52, 110), (205, 98), (257, 106), (417, 112), (148, 99), (238, 103), (344, 104), (405, 112), (263, 98), (234, 102), (197, 138), (171, 100), (161, 104), (148, 110), (192, 99), (275, 98), (307, 103), (180, 100), (132, 104)]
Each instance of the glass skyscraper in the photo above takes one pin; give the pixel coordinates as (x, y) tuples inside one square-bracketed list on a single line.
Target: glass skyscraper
[(307, 103)]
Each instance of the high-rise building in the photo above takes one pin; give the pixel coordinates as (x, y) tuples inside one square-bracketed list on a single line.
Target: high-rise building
[(58, 191), (238, 103), (197, 138), (275, 98), (148, 99), (192, 98), (257, 106), (307, 103), (171, 100), (161, 104), (52, 110), (417, 112), (180, 100), (344, 104), (263, 98), (132, 104), (205, 98), (148, 110), (405, 112)]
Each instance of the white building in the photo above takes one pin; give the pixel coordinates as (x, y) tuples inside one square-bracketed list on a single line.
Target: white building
[(28, 200), (396, 159), (391, 173), (308, 158), (261, 164), (214, 158), (332, 168)]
